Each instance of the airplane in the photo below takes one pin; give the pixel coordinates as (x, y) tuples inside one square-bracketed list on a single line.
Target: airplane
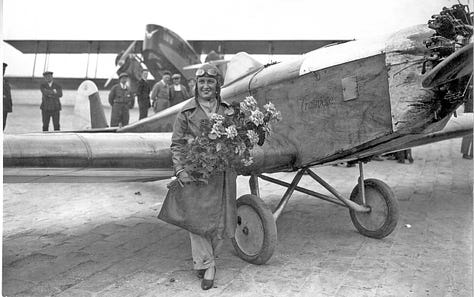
[(162, 49), (346, 102)]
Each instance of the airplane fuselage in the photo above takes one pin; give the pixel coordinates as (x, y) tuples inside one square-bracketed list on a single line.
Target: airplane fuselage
[(337, 100)]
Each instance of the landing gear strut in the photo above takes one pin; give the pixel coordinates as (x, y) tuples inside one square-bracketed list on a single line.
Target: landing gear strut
[(372, 207)]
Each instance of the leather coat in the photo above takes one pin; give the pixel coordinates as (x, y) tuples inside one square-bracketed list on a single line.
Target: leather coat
[(208, 210)]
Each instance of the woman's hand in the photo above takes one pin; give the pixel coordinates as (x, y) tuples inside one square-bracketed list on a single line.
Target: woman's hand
[(185, 178)]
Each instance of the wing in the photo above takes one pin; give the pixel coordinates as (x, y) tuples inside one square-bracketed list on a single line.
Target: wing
[(88, 157), (73, 46), (265, 47)]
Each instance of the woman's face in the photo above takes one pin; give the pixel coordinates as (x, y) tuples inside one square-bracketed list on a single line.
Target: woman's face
[(206, 87)]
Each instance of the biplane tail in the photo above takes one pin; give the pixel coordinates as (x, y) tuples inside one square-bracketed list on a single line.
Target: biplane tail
[(92, 115)]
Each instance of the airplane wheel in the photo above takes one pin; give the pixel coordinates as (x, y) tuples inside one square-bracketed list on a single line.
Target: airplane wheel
[(383, 216), (256, 234)]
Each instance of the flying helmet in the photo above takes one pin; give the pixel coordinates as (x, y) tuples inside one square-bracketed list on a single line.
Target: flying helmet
[(209, 70)]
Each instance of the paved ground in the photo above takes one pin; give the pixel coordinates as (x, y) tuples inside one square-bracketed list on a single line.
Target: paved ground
[(105, 240)]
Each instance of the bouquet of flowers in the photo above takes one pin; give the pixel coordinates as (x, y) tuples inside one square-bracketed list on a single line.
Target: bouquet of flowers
[(226, 141)]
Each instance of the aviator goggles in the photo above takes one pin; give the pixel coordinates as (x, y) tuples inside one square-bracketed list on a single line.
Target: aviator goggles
[(210, 72)]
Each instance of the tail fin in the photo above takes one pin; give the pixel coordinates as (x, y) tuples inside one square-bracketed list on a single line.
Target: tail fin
[(92, 115)]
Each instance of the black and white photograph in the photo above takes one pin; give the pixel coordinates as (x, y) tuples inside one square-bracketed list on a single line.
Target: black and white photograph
[(237, 148)]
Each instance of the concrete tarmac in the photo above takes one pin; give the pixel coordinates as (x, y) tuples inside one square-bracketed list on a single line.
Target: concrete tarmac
[(105, 239)]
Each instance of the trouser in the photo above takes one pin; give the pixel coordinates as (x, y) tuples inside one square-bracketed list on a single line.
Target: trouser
[(5, 114), (120, 114), (143, 111), (204, 251), (47, 114)]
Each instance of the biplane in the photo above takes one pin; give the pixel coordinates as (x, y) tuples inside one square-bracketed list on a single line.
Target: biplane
[(345, 102), (162, 49)]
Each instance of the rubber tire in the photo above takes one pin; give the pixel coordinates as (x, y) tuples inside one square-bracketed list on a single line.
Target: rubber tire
[(269, 230), (392, 209)]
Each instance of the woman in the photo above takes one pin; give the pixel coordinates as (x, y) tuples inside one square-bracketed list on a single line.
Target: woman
[(207, 211)]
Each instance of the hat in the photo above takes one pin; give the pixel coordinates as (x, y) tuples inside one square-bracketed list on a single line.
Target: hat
[(123, 74), (47, 72), (176, 75), (5, 64)]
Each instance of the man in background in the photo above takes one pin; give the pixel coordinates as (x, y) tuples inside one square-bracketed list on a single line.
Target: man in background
[(121, 100), (192, 87), (178, 92), (7, 97), (143, 95), (160, 94), (50, 104)]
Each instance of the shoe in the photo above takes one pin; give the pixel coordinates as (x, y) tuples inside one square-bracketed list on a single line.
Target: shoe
[(200, 273), (206, 284)]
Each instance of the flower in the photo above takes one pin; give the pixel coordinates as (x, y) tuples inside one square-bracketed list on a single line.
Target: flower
[(216, 118), (231, 132), (250, 102), (247, 162), (218, 129), (244, 125), (244, 107), (274, 115), (253, 137), (257, 117), (269, 107)]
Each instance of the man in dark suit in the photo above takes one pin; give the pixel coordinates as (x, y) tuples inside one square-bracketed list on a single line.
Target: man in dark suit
[(50, 104), (7, 97), (121, 100), (143, 95)]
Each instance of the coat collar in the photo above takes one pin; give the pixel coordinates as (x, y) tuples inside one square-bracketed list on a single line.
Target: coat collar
[(192, 104)]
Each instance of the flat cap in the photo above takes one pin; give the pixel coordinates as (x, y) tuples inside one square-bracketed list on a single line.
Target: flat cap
[(176, 75), (47, 72)]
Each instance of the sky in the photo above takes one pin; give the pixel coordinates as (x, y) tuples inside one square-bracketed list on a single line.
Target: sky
[(212, 19)]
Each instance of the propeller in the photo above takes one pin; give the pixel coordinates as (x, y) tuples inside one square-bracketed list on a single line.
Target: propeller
[(121, 61)]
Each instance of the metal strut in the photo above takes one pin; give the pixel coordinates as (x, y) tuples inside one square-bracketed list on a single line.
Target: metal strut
[(342, 201)]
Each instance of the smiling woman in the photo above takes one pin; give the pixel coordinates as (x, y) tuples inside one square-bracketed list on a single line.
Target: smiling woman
[(207, 211)]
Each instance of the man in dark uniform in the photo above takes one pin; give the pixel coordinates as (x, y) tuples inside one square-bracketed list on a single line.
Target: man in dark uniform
[(178, 92), (50, 104), (121, 100), (7, 97), (143, 95)]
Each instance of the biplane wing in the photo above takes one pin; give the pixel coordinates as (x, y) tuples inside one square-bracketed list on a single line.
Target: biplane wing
[(230, 47)]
